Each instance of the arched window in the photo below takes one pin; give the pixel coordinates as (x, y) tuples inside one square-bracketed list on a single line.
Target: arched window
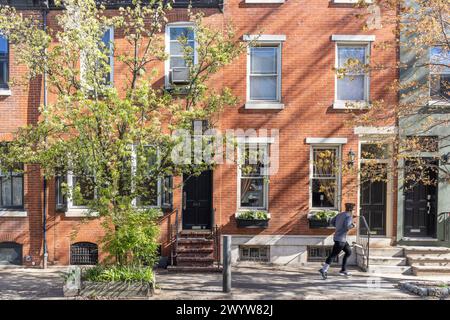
[(83, 253), (10, 253)]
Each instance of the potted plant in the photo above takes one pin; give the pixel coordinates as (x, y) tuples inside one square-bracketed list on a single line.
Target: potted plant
[(321, 219), (253, 219)]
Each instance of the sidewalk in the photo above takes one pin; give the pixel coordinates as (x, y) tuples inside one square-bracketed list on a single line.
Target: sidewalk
[(259, 282)]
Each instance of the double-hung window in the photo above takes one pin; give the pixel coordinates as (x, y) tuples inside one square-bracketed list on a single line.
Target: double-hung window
[(264, 72), (439, 74), (180, 46), (324, 176), (108, 42), (11, 188), (352, 89), (253, 170), (4, 62)]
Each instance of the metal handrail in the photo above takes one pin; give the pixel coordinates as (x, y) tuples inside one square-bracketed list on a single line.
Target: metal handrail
[(358, 240)]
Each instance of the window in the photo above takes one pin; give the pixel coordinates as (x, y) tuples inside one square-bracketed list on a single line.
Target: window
[(264, 76), (155, 191), (353, 86), (11, 188), (83, 253), (253, 183), (4, 62), (254, 253), (319, 253), (108, 41), (325, 177), (439, 74), (81, 189), (10, 253), (180, 46)]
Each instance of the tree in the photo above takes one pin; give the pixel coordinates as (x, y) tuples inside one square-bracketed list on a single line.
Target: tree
[(115, 139)]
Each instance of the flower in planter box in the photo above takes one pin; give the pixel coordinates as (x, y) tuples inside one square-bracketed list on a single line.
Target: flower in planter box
[(323, 215), (253, 215)]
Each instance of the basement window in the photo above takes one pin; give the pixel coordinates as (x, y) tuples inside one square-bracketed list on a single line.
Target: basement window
[(83, 253), (319, 253), (254, 253)]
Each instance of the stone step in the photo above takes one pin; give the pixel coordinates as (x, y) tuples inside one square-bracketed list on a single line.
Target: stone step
[(387, 261), (430, 270), (190, 241), (195, 234), (428, 261), (195, 250), (387, 252), (194, 269), (427, 250), (387, 269)]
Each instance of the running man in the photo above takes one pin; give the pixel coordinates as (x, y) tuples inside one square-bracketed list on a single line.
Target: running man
[(343, 222)]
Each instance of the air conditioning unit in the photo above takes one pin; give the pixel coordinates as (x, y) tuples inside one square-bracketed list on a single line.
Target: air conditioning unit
[(180, 75)]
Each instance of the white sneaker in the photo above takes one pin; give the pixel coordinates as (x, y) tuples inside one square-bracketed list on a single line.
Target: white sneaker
[(344, 273)]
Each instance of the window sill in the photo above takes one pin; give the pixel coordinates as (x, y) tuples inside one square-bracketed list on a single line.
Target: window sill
[(350, 105), (13, 213), (5, 92), (263, 1), (264, 106), (433, 103), (80, 212), (349, 1)]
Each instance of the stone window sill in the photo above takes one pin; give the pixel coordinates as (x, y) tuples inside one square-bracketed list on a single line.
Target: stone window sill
[(13, 213), (264, 106), (350, 105), (5, 92), (80, 213)]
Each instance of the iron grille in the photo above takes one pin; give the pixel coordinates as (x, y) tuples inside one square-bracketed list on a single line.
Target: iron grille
[(254, 253), (83, 253), (319, 253)]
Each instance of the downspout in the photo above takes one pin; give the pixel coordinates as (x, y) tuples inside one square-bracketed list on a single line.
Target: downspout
[(44, 210)]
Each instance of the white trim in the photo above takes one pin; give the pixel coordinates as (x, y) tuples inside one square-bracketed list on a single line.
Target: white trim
[(349, 104), (264, 37), (5, 92), (261, 140), (265, 182), (253, 105), (78, 212), (277, 101), (167, 47), (350, 1), (264, 1), (326, 140), (353, 38), (374, 130), (13, 213), (337, 200)]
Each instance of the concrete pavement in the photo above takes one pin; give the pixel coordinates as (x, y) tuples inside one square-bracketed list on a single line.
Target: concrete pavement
[(259, 282)]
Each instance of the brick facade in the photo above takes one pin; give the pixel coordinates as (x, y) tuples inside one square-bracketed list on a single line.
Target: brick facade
[(308, 82)]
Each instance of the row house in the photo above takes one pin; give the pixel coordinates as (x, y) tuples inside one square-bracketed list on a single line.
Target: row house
[(285, 82)]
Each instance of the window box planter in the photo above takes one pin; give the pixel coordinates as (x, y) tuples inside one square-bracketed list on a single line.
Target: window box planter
[(252, 219), (320, 219)]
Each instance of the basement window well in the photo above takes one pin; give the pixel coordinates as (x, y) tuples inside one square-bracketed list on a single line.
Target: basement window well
[(254, 253)]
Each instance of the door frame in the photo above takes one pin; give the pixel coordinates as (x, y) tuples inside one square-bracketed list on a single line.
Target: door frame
[(211, 216), (389, 214), (434, 236)]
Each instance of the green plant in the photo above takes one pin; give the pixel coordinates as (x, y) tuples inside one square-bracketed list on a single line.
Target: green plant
[(253, 215), (118, 273), (323, 215)]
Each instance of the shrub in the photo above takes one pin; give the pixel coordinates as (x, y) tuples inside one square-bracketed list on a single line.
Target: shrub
[(118, 273), (253, 215)]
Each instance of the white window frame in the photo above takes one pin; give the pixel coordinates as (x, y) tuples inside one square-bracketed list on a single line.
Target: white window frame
[(337, 198), (73, 210), (181, 24), (241, 149), (265, 41), (352, 41), (111, 63), (159, 182), (431, 101)]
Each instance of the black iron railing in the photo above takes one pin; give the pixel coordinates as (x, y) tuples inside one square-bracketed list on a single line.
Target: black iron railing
[(363, 240), (174, 237), (215, 234)]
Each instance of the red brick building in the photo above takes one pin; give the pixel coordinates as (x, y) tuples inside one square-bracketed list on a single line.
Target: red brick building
[(287, 83)]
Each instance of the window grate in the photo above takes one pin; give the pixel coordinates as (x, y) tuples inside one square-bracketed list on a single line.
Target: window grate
[(254, 253), (83, 253), (319, 253)]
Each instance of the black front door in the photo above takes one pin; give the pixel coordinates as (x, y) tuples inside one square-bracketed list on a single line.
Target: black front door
[(373, 204), (420, 201), (197, 201)]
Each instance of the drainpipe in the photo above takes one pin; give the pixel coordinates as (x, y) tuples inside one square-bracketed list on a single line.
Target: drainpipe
[(44, 210)]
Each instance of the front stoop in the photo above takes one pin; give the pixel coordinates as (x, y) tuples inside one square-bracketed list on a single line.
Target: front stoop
[(418, 261), (195, 253), (429, 260)]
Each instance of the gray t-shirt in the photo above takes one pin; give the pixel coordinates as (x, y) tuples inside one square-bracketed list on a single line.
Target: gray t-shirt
[(342, 222)]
